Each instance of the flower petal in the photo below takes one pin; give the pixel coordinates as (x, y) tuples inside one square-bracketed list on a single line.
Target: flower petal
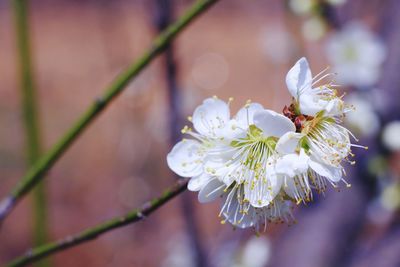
[(211, 191), (185, 158), (292, 164), (310, 103), (260, 192), (288, 142), (217, 166), (272, 123), (233, 130), (246, 220), (297, 187), (330, 172), (198, 182), (245, 115), (210, 117), (234, 214), (299, 79), (334, 107)]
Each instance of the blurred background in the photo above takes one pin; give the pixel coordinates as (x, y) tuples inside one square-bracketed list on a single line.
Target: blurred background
[(241, 49)]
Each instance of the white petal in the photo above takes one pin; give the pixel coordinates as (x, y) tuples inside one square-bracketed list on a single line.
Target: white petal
[(263, 190), (330, 172), (288, 142), (233, 130), (290, 187), (248, 220), (275, 182), (334, 107), (245, 115), (272, 123), (235, 217), (198, 182), (185, 158), (310, 104), (292, 164), (296, 189), (211, 191), (280, 210), (216, 165), (210, 117), (299, 79)]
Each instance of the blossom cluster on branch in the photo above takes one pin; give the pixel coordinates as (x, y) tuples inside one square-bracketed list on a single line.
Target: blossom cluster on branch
[(260, 161)]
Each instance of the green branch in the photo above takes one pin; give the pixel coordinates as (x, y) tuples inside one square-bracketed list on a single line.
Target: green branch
[(94, 232), (35, 174), (31, 124)]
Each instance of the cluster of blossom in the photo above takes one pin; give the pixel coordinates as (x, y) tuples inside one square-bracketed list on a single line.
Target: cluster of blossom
[(356, 54), (315, 25), (259, 161)]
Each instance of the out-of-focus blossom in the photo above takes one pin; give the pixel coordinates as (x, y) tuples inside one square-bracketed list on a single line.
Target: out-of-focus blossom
[(256, 253), (301, 7), (364, 121), (306, 7), (390, 197), (390, 136), (315, 25), (314, 28), (179, 253), (356, 55), (336, 2)]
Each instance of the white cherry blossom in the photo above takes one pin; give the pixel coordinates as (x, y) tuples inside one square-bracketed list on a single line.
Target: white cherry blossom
[(247, 159), (211, 122), (311, 99), (187, 157), (258, 162)]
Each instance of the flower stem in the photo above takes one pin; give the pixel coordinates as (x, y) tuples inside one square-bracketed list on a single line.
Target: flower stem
[(30, 116), (36, 172), (91, 233)]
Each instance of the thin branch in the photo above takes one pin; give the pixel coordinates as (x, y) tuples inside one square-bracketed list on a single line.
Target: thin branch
[(91, 233), (30, 117), (35, 174)]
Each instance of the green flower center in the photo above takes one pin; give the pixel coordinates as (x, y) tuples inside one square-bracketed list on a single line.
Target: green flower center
[(255, 149)]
